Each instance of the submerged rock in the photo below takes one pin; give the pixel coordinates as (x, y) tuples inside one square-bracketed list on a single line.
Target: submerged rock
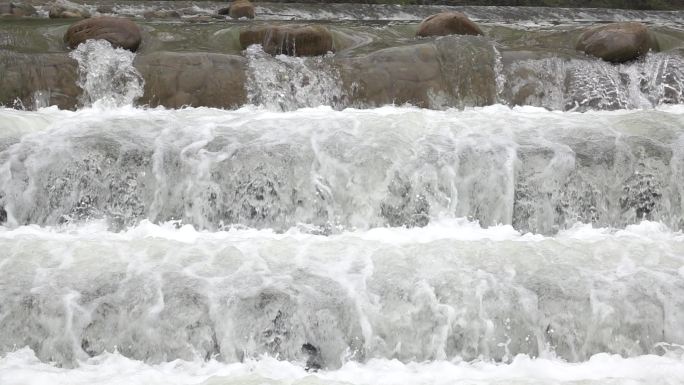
[(292, 40), (448, 23), (241, 8), (618, 42), (62, 12), (224, 11), (18, 10), (121, 33), (3, 215)]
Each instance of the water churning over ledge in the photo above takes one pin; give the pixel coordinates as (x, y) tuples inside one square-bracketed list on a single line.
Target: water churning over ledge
[(107, 75), (539, 171)]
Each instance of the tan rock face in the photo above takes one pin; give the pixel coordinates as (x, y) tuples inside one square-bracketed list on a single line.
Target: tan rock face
[(24, 75), (194, 79), (311, 40), (448, 23), (121, 33), (449, 72), (241, 8), (617, 42)]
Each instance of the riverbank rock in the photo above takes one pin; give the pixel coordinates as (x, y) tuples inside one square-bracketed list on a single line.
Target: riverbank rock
[(241, 8), (62, 12), (17, 10), (121, 33), (617, 42), (448, 23), (293, 40)]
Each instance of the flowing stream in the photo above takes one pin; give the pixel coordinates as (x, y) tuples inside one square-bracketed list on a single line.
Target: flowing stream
[(296, 241)]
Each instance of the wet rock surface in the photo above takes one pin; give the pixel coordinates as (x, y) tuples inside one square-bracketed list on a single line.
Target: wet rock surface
[(618, 42), (292, 40), (241, 8), (448, 23), (528, 57), (120, 32), (38, 80), (195, 79), (58, 11), (430, 75)]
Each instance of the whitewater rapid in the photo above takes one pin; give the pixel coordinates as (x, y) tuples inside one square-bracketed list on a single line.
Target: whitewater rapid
[(448, 303), (538, 170), (394, 245)]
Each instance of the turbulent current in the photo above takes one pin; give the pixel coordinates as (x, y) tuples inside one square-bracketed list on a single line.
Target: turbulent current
[(358, 241), (296, 241)]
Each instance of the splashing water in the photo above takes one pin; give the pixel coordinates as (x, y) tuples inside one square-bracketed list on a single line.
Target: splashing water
[(106, 74), (538, 170), (284, 83), (582, 85)]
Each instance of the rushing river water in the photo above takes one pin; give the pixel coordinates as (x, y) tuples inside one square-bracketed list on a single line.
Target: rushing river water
[(296, 240)]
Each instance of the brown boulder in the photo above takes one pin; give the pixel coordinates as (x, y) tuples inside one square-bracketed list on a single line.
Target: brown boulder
[(121, 33), (617, 42), (448, 23), (241, 8), (61, 12), (18, 10), (293, 40)]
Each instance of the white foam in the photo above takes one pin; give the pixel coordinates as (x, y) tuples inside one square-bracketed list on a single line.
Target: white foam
[(23, 368), (456, 229)]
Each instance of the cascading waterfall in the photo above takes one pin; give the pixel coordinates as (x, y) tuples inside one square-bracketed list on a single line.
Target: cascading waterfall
[(106, 74), (296, 240), (353, 169), (284, 83), (582, 85)]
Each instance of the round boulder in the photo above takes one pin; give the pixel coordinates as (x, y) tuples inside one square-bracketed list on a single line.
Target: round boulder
[(241, 8), (617, 42), (448, 23), (121, 33), (292, 40)]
